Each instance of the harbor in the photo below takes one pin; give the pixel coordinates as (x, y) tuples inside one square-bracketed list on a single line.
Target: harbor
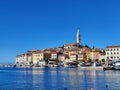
[(87, 66)]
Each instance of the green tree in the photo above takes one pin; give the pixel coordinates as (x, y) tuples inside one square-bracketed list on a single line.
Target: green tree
[(89, 60), (103, 60), (87, 46)]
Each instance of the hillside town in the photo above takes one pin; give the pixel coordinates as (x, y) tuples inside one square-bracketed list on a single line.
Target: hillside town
[(70, 54)]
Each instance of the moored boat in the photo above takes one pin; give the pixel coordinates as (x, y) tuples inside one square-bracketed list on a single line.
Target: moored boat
[(108, 68), (116, 65)]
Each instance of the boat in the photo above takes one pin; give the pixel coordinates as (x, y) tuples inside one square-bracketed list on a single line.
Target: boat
[(116, 65), (86, 64), (71, 64), (108, 68)]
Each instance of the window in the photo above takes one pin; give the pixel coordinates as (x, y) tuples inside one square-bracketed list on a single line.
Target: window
[(117, 49), (111, 49), (107, 49), (114, 53)]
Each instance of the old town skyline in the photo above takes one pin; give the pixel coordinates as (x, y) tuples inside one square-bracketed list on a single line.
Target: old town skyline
[(68, 54)]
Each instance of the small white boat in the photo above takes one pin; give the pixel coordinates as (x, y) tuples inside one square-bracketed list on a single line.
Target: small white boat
[(116, 65)]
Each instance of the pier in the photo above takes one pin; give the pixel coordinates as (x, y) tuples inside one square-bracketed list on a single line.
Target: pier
[(7, 65)]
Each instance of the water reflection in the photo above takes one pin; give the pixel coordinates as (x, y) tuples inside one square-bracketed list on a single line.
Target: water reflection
[(70, 78), (112, 79), (58, 79)]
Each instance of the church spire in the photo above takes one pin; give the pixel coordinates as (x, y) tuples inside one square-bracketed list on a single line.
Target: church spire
[(78, 36)]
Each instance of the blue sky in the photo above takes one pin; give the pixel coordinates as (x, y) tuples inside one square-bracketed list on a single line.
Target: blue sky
[(37, 24)]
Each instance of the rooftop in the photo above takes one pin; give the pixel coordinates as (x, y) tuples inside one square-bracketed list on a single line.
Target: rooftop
[(113, 46)]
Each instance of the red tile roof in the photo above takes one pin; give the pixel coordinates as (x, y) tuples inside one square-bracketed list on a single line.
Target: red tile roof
[(113, 46), (71, 44)]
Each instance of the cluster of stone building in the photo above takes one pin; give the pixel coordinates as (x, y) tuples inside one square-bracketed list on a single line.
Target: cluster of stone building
[(67, 53)]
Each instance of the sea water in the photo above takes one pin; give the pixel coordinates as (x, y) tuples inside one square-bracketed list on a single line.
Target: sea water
[(44, 78)]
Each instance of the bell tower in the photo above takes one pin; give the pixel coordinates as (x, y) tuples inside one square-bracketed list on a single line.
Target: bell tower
[(78, 37)]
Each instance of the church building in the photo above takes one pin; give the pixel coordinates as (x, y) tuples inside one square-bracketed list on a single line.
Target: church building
[(76, 44)]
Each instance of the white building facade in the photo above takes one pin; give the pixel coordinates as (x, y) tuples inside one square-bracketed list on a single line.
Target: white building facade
[(112, 53), (54, 56)]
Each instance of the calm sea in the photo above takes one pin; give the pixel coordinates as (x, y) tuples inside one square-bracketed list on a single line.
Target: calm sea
[(58, 79)]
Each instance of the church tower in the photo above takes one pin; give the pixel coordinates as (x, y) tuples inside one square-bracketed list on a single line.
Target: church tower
[(78, 37)]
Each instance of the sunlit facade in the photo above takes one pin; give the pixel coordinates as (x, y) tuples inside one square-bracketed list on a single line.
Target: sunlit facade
[(112, 52)]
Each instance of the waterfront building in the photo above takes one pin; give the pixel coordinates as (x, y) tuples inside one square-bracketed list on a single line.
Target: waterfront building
[(102, 55), (29, 58), (53, 59), (95, 54), (80, 54), (54, 55), (36, 56), (24, 59), (61, 58), (112, 52), (87, 54), (73, 57), (80, 57), (19, 60), (85, 57), (40, 57)]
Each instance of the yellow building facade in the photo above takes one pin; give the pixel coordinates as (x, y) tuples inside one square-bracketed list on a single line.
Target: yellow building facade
[(72, 52), (40, 55), (36, 56)]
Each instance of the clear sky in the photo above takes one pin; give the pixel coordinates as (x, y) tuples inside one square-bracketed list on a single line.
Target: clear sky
[(37, 24)]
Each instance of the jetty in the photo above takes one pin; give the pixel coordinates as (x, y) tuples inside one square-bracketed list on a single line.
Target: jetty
[(7, 65)]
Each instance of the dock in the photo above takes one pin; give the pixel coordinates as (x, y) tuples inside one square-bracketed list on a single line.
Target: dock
[(7, 65)]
